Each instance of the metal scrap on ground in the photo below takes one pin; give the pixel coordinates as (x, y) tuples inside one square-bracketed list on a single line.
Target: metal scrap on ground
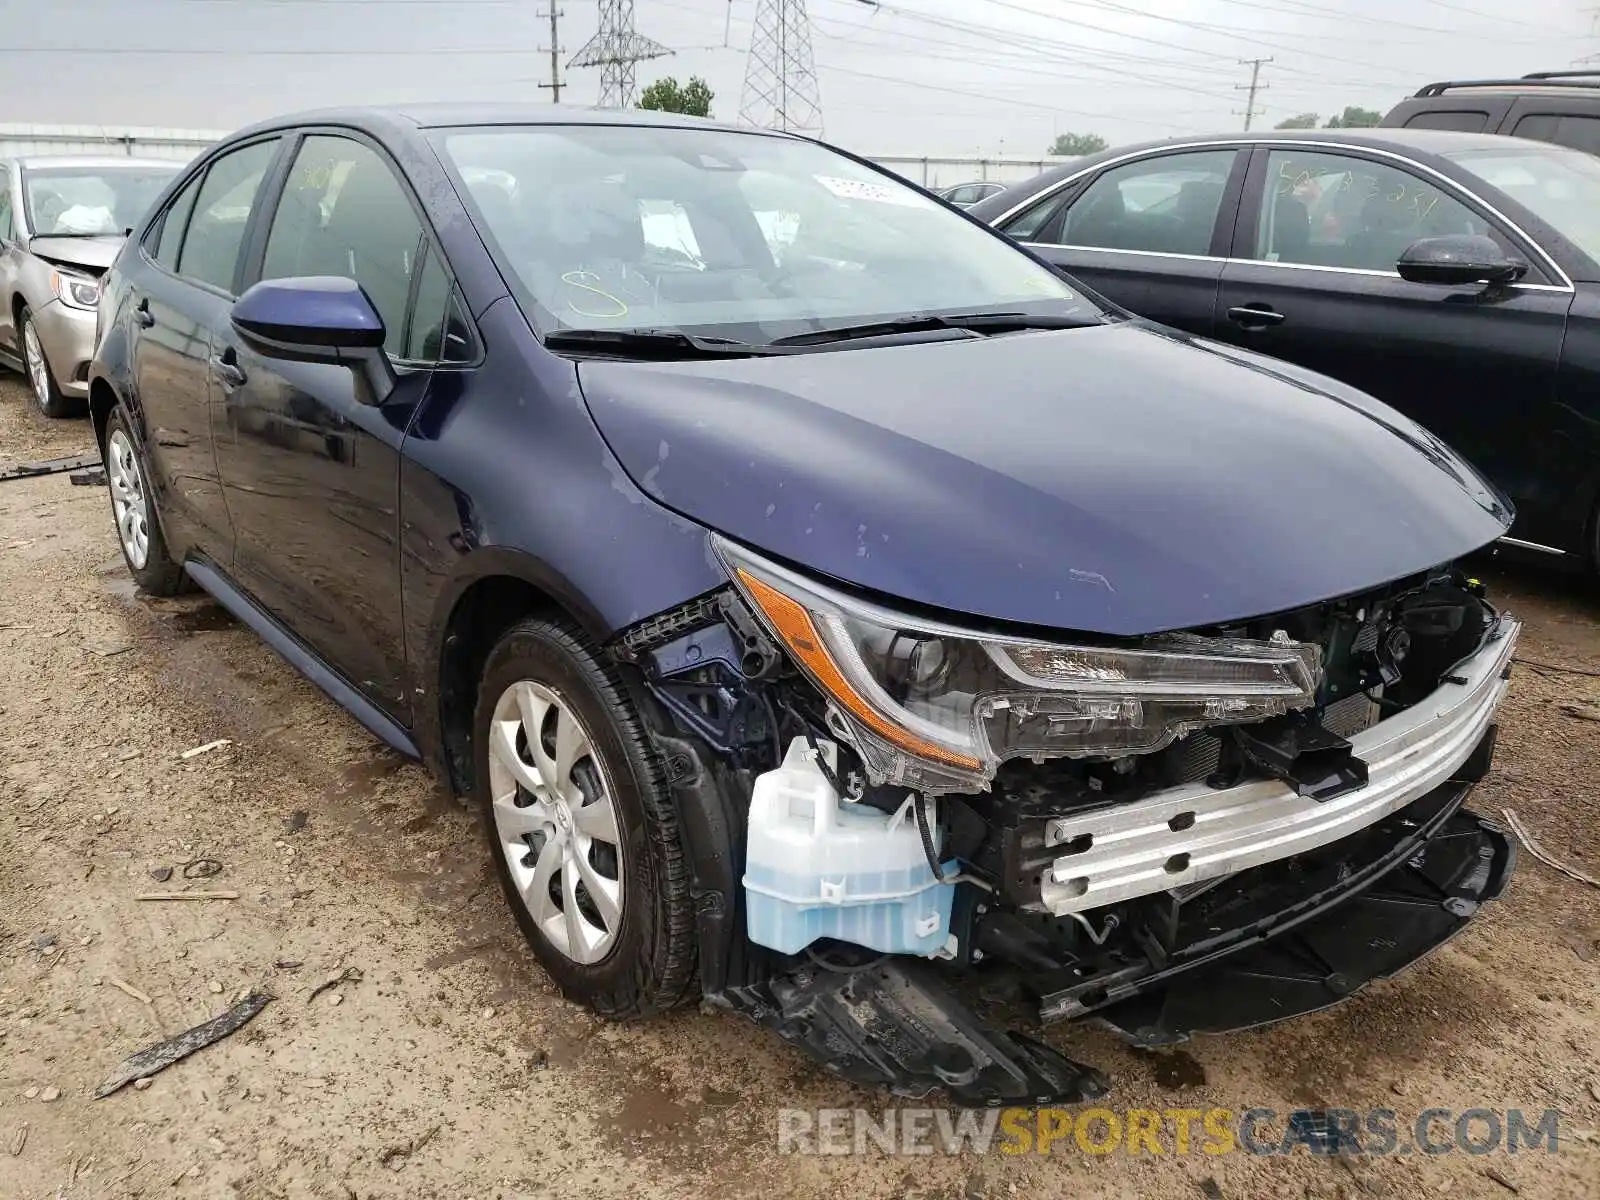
[(49, 466), (348, 975), (162, 1055), (1543, 855), (128, 988), (207, 748), (187, 896)]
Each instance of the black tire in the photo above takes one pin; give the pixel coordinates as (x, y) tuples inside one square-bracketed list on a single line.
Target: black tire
[(160, 575), (651, 964), (50, 399)]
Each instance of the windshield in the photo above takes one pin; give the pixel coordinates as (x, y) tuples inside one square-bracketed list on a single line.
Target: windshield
[(84, 201), (1559, 186), (735, 235)]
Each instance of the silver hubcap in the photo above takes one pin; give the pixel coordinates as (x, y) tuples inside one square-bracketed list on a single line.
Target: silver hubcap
[(38, 369), (556, 821), (128, 501)]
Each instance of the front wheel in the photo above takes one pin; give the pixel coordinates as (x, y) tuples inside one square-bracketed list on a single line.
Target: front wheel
[(581, 826), (144, 548), (47, 392)]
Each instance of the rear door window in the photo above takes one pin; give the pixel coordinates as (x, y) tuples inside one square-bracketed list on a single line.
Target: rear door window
[(222, 212), (1565, 129), (1461, 120), (173, 224), (6, 233), (1034, 222), (1168, 204)]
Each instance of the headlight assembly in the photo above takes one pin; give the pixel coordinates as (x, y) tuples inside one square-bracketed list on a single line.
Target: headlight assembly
[(75, 291), (937, 708)]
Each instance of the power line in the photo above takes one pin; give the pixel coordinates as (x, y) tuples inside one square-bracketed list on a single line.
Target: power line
[(1012, 60), (1032, 40), (212, 52), (1478, 12), (1243, 35), (1255, 85), (1007, 100)]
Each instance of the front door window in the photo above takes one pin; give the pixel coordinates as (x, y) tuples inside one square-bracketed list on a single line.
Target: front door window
[(1336, 210)]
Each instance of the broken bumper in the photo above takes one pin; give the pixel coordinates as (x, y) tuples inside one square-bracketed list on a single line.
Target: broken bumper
[(66, 335), (1190, 834), (1293, 937)]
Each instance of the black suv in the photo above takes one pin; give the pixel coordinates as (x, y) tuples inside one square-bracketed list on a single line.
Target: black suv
[(1550, 106)]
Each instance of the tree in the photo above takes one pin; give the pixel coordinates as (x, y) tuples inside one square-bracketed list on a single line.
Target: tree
[(1303, 121), (1073, 145), (1355, 117), (692, 99)]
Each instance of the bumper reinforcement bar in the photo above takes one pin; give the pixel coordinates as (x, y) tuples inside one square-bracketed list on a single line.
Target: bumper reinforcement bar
[(1192, 833)]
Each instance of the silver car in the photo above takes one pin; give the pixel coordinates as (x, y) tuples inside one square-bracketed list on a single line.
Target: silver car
[(62, 221), (965, 195)]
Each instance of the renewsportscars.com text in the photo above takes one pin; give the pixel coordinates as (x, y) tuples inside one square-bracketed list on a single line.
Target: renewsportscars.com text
[(1259, 1131)]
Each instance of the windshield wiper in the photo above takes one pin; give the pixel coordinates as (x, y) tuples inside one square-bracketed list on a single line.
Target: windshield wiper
[(647, 343), (75, 233), (981, 322)]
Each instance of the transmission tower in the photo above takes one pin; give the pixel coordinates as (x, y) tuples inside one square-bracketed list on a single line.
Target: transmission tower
[(614, 48), (780, 78)]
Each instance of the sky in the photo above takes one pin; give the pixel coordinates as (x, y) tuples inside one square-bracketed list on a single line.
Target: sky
[(918, 77)]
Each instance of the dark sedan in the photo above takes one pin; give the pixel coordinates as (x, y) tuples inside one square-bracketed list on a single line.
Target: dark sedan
[(1455, 276), (817, 595)]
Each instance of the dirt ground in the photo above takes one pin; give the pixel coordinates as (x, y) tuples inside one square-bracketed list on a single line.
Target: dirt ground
[(452, 1068)]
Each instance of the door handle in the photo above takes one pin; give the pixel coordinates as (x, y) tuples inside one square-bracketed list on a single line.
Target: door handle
[(1255, 316), (227, 373), (141, 315)]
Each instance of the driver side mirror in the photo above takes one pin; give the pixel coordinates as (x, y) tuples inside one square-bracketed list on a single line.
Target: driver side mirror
[(317, 319), (1459, 259)]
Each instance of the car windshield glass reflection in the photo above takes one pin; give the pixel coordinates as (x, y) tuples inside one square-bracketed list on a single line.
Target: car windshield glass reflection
[(737, 235), (90, 201), (1559, 186)]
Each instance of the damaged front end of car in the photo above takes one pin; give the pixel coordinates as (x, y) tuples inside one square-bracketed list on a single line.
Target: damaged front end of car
[(1187, 832)]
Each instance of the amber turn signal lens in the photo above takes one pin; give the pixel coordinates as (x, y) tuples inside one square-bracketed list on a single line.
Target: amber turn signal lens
[(794, 625)]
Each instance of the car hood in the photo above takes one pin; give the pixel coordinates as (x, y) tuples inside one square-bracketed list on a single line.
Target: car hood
[(1119, 479), (93, 253)]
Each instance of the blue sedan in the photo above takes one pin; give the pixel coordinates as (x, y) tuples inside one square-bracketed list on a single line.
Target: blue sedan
[(820, 596)]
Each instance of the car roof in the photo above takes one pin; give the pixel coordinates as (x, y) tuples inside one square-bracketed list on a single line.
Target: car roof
[(32, 162), (442, 114), (1410, 142), (1426, 141)]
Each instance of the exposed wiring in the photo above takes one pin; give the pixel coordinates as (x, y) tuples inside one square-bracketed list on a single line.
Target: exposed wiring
[(823, 765), (919, 806), (839, 968)]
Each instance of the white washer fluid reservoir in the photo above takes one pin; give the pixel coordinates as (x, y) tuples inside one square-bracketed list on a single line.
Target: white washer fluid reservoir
[(819, 867)]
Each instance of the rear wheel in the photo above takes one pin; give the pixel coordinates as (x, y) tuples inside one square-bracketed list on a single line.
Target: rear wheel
[(582, 829), (144, 548), (47, 393)]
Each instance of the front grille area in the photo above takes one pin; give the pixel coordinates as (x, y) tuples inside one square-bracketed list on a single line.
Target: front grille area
[(1196, 756)]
